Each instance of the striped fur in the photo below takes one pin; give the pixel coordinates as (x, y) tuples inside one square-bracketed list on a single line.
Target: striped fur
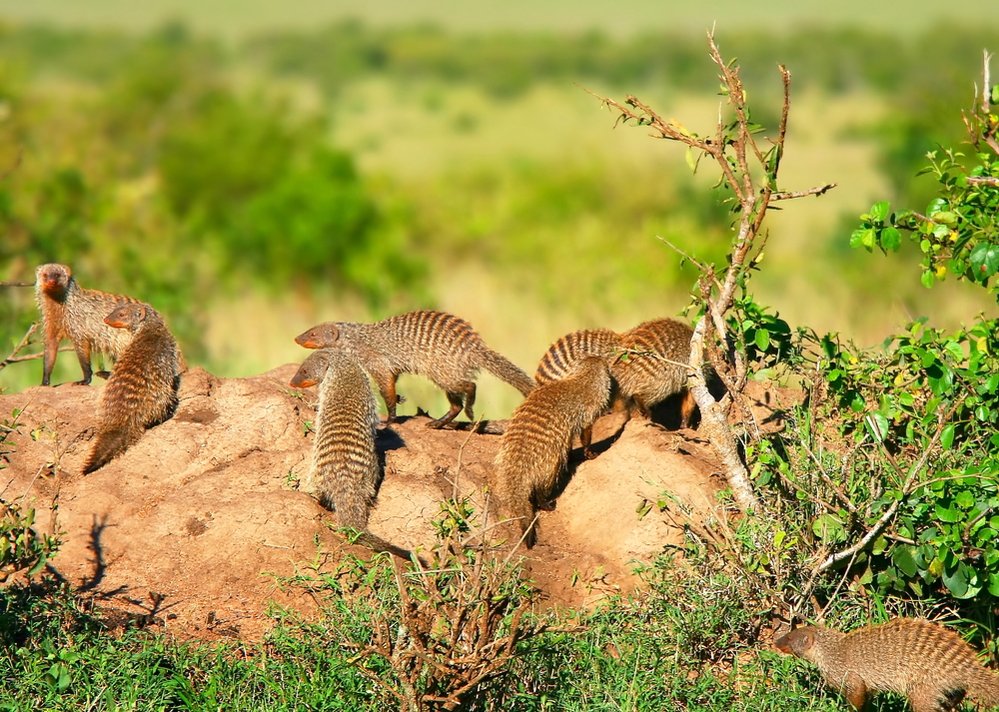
[(562, 356), (345, 469), (535, 446), (652, 365), (925, 661), (437, 345), (70, 311), (142, 389)]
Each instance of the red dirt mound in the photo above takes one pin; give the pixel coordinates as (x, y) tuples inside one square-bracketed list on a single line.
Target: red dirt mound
[(190, 525)]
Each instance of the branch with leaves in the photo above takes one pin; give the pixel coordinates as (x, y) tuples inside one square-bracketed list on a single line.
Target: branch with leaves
[(749, 169)]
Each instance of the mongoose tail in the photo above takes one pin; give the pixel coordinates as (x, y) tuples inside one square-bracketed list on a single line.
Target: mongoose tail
[(109, 443), (377, 544), (506, 370)]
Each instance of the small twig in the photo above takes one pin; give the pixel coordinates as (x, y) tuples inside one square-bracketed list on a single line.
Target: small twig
[(12, 357), (16, 284)]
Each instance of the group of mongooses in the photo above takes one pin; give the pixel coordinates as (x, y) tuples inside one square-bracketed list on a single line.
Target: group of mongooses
[(573, 387), (926, 662), (142, 388), (575, 382)]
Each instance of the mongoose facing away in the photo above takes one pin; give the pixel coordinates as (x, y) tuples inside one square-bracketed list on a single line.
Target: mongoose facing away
[(70, 311), (652, 365), (345, 471), (563, 355), (925, 661), (440, 346), (142, 389), (535, 447)]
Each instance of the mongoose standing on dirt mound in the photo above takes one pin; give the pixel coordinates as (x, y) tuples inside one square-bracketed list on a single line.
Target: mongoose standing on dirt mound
[(442, 347), (535, 447), (345, 471), (563, 355), (142, 389), (70, 311), (928, 663), (652, 366)]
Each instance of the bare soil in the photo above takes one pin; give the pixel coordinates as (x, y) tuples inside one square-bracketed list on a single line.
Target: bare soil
[(191, 526)]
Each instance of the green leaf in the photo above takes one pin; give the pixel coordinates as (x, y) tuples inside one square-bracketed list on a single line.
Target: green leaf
[(947, 436), (984, 260), (902, 557), (879, 211), (762, 339), (927, 279), (961, 582), (877, 426), (891, 239)]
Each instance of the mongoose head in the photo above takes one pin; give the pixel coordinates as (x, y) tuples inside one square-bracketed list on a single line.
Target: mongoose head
[(127, 316), (312, 370), (53, 279), (797, 642), (322, 336)]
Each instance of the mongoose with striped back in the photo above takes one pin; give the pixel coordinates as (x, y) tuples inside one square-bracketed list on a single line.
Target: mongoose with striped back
[(926, 662), (653, 365), (70, 311), (645, 362), (142, 389), (535, 447), (345, 470), (437, 345)]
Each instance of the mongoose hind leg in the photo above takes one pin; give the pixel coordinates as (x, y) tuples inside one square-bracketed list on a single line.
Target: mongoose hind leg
[(586, 439), (855, 691), (386, 386), (687, 409), (469, 387), (930, 698), (455, 400)]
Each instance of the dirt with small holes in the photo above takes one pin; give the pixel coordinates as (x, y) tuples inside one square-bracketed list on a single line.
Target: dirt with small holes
[(192, 528)]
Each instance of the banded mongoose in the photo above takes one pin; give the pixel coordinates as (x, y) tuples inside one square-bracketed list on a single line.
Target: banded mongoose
[(437, 345), (345, 470), (926, 662), (563, 355), (535, 447), (70, 311), (142, 389)]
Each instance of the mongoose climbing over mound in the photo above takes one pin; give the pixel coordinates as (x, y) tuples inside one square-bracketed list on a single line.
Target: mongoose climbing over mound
[(535, 446), (563, 355), (142, 389), (345, 470), (926, 662), (440, 346), (70, 311)]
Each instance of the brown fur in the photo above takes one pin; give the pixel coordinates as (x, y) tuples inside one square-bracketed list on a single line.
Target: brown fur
[(345, 470), (563, 355), (442, 347), (652, 365), (70, 311), (924, 661), (535, 446), (142, 389)]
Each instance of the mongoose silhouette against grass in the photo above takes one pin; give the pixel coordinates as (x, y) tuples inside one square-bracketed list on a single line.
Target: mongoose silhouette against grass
[(70, 311), (437, 345), (535, 447), (345, 470), (142, 389), (926, 662)]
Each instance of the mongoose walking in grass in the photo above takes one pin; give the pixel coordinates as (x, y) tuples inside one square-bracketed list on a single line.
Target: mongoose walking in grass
[(926, 662), (535, 446), (70, 311), (440, 346), (142, 389), (345, 471)]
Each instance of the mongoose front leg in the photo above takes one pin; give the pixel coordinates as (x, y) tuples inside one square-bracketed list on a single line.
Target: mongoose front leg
[(687, 408), (386, 386), (456, 404), (48, 359), (855, 692), (83, 353), (586, 439)]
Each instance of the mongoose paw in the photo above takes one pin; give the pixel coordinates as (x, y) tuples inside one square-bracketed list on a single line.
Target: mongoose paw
[(84, 382), (589, 454), (103, 374), (437, 424)]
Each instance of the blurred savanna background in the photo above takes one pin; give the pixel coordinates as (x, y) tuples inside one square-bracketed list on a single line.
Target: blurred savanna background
[(251, 168)]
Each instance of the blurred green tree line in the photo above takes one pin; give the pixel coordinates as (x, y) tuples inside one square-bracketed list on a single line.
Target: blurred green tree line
[(160, 165)]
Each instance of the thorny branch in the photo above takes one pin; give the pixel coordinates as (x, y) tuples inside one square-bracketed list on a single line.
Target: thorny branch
[(737, 153)]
